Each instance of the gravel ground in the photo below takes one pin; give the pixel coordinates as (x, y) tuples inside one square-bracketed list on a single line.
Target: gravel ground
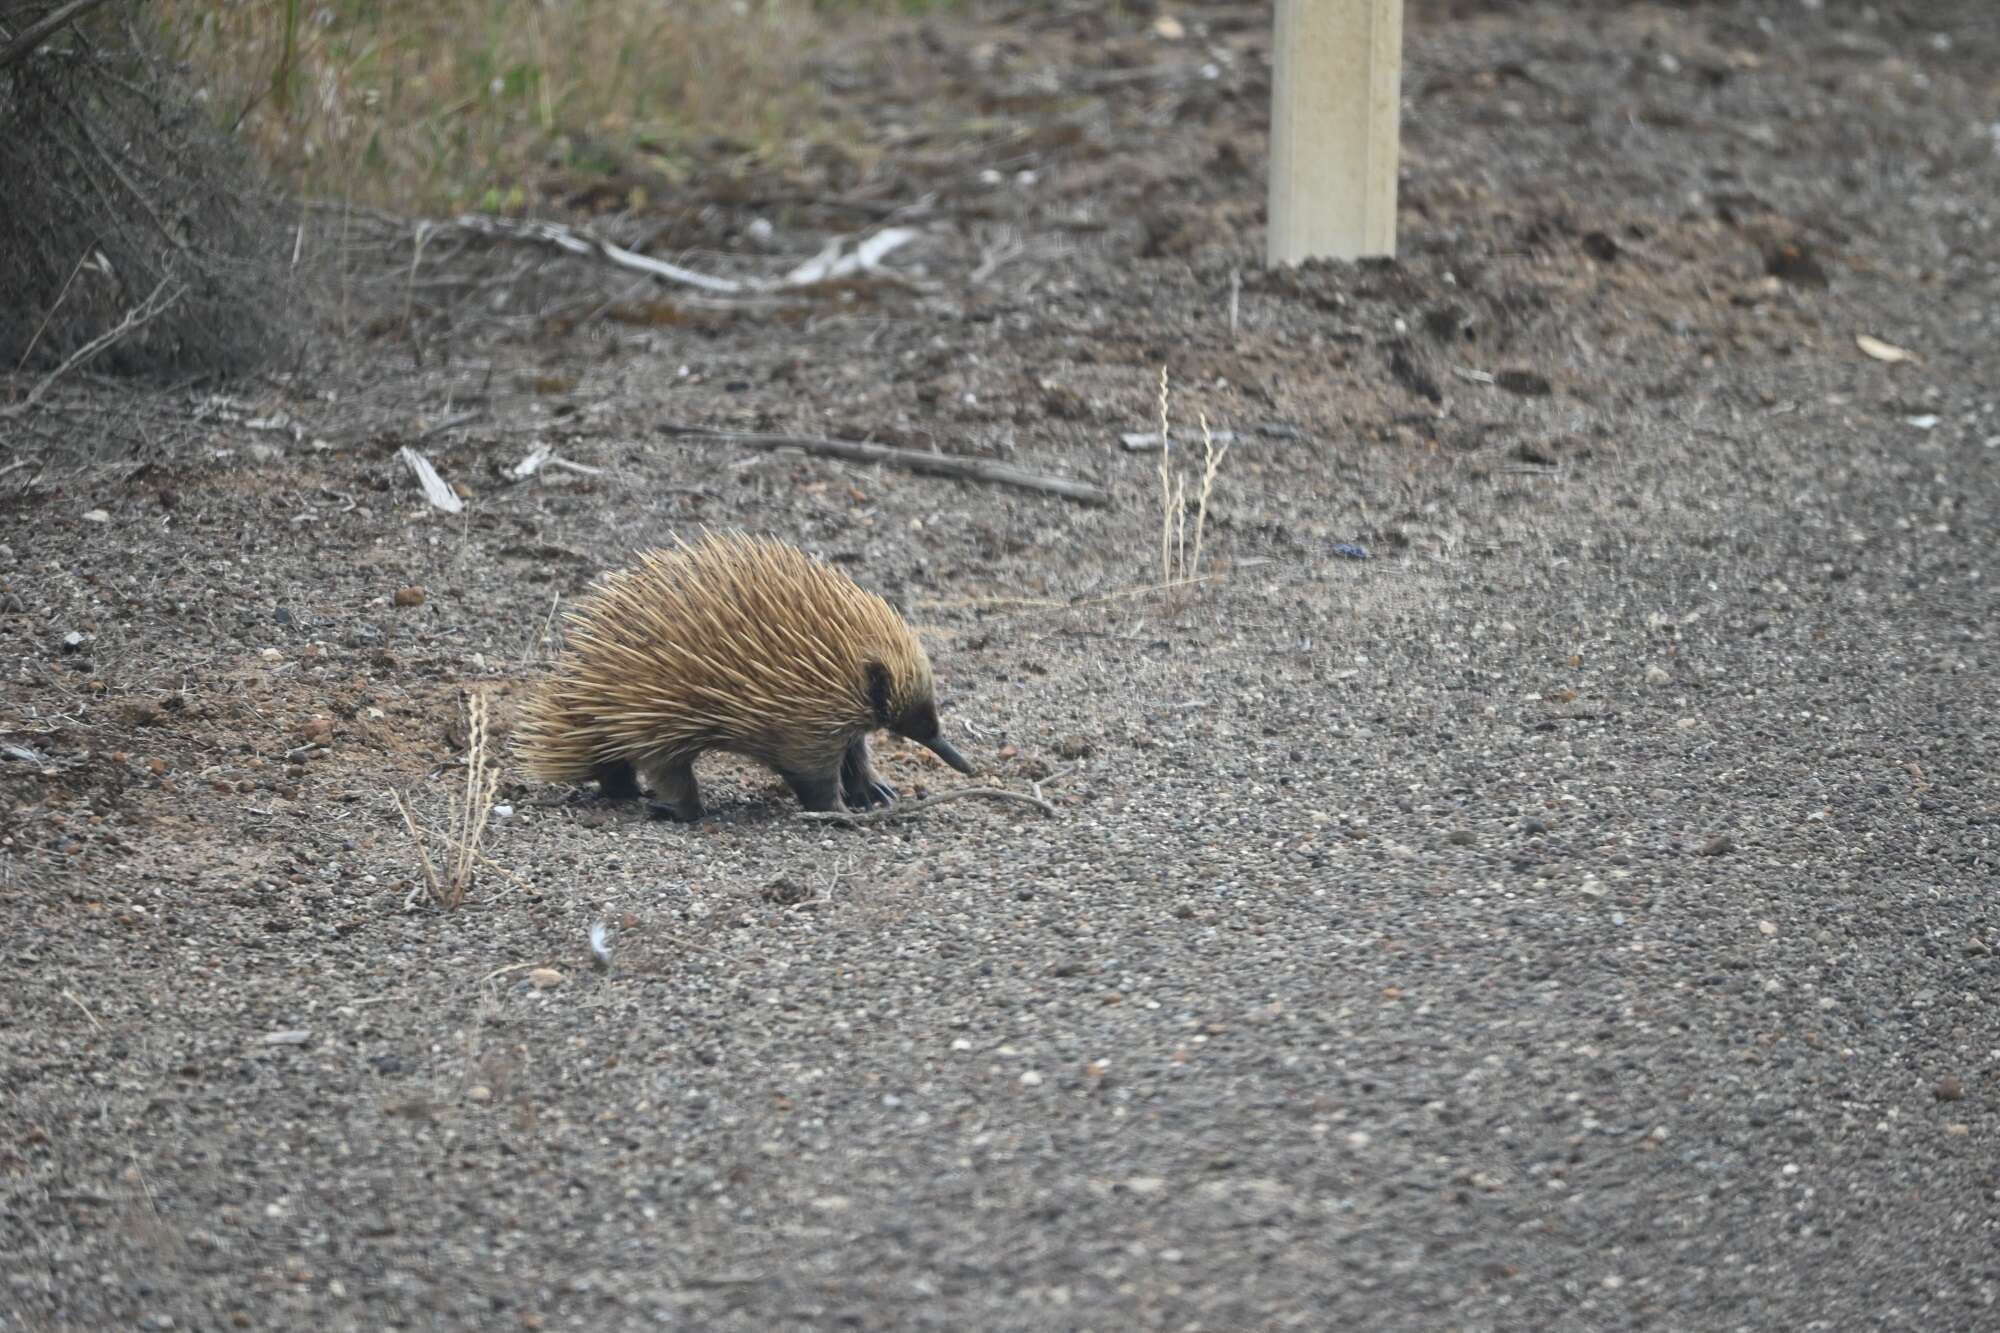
[(1577, 915)]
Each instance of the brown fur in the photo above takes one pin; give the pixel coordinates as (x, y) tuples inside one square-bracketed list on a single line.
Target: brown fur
[(734, 643)]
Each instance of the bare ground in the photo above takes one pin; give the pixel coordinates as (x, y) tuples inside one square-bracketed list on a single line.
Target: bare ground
[(1579, 914)]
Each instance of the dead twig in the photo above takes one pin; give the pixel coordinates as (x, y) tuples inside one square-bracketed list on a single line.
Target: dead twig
[(906, 809), (36, 33), (135, 318), (71, 997), (910, 460)]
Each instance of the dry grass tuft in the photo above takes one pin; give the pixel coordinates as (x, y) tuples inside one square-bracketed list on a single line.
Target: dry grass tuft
[(469, 809), (474, 103), (1177, 563)]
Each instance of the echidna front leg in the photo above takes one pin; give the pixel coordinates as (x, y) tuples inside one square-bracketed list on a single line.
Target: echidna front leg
[(616, 781), (859, 787), (676, 795)]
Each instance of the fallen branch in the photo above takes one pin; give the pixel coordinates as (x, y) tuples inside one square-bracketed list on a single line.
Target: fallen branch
[(583, 243), (905, 809), (842, 258), (36, 33), (910, 460), (135, 318)]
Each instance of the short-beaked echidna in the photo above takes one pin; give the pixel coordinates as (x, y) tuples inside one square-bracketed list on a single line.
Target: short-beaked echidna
[(733, 643)]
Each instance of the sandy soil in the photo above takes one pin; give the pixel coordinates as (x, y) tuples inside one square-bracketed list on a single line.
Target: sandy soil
[(1578, 914)]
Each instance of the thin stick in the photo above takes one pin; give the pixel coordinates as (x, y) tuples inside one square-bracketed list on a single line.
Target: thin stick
[(905, 809), (1050, 604), (410, 820), (36, 33), (511, 967), (910, 460), (1166, 485), (1211, 464), (60, 296), (137, 317), (533, 654), (71, 997)]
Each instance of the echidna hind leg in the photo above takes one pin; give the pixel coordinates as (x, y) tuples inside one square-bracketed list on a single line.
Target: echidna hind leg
[(859, 787), (676, 795), (821, 793), (616, 781)]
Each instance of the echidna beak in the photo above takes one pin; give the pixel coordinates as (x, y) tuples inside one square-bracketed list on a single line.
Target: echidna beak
[(942, 748)]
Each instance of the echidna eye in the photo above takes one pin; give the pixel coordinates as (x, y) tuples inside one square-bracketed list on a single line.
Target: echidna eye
[(878, 692)]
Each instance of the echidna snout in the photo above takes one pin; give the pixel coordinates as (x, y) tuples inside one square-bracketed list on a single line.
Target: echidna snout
[(917, 722), (734, 643)]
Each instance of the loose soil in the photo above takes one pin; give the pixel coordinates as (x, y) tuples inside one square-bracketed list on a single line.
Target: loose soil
[(1578, 913)]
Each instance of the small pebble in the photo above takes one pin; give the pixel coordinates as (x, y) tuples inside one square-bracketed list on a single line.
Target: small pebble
[(1948, 1089), (288, 1037), (544, 977), (1030, 1079), (1718, 845), (410, 596), (1657, 675), (97, 516)]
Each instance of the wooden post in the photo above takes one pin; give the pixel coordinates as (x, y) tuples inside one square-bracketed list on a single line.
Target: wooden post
[(1336, 89)]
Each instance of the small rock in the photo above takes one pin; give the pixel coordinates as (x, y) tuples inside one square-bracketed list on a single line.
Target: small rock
[(1657, 675), (72, 641), (479, 1092), (288, 1037), (1767, 928), (1600, 247), (97, 516), (1075, 747), (1719, 845), (1461, 837), (317, 731), (410, 596), (1794, 262), (1030, 1079), (542, 978), (1948, 1089)]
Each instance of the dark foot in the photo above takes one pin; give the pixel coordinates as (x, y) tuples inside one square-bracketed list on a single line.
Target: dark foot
[(676, 795), (859, 787), (616, 781), (818, 794)]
